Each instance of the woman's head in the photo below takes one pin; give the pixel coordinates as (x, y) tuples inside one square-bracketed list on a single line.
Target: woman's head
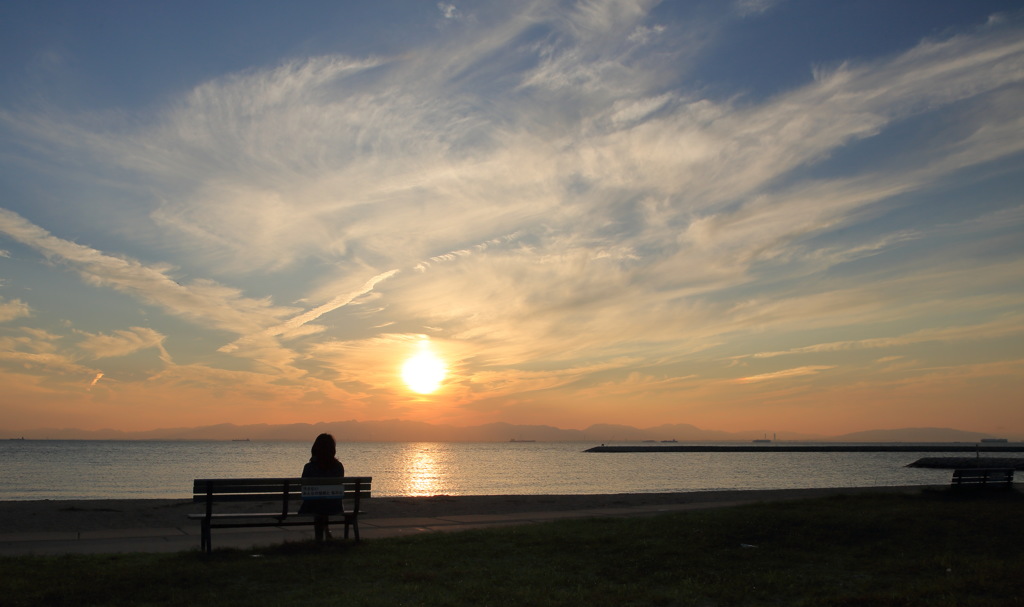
[(324, 447)]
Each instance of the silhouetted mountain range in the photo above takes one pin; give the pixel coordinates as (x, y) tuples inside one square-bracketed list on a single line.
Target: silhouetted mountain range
[(410, 431)]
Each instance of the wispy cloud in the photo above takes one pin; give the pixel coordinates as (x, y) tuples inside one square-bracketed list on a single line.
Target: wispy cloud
[(35, 354), (122, 342), (449, 11), (203, 300), (1004, 327), (13, 308), (746, 8), (785, 374), (286, 164)]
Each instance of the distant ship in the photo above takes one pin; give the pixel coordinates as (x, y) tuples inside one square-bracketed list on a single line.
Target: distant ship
[(994, 440), (671, 440), (521, 440), (239, 440)]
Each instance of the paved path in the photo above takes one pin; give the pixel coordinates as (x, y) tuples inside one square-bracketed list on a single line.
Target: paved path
[(186, 536)]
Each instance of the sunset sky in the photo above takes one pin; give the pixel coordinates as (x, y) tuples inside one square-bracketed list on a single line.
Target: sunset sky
[(761, 214)]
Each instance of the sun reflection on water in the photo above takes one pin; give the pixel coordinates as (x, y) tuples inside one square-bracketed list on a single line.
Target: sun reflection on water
[(422, 472)]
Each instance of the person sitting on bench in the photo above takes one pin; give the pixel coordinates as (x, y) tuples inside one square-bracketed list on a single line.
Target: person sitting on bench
[(323, 464)]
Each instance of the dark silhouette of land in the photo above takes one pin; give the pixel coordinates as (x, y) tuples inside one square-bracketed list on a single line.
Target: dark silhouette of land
[(410, 431)]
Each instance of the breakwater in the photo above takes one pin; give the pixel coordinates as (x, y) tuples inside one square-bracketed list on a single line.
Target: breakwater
[(953, 463), (856, 448)]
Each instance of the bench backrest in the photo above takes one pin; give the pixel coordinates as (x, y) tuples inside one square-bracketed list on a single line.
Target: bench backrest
[(211, 490)]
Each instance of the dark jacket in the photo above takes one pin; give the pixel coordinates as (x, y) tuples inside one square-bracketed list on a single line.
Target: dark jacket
[(317, 469)]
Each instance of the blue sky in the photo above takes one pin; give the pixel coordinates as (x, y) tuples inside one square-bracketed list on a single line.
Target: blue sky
[(752, 215)]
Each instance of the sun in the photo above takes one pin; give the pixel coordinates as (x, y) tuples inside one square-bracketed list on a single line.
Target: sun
[(424, 372)]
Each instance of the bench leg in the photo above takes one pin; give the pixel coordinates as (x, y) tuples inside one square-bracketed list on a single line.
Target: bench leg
[(204, 537)]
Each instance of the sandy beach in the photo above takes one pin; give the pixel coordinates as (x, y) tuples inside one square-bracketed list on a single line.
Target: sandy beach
[(107, 514)]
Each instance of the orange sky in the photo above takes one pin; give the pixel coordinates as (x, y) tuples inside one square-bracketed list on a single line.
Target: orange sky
[(743, 216)]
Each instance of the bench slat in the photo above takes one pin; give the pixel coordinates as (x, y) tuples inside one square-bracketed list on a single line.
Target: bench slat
[(255, 485), (244, 515), (279, 481), (297, 522), (274, 496)]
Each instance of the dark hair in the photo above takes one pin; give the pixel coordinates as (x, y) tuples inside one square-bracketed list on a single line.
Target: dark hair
[(324, 449)]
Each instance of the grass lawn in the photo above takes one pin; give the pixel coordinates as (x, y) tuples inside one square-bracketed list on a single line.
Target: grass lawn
[(936, 548)]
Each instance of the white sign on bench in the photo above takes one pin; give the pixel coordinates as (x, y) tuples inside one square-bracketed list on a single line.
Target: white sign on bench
[(323, 492)]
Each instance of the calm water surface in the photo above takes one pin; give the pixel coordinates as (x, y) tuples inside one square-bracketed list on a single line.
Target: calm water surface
[(164, 469)]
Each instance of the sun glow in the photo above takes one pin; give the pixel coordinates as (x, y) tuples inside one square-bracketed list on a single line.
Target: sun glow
[(424, 372)]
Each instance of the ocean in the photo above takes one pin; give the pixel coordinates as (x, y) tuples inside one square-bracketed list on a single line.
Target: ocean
[(59, 469)]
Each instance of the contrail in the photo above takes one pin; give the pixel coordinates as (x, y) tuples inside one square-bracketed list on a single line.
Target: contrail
[(334, 304), (343, 300), (306, 317)]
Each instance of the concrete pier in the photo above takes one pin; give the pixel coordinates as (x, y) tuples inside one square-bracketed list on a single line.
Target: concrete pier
[(832, 448)]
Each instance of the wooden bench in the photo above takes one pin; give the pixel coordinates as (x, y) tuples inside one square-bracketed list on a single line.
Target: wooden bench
[(280, 491), (983, 477)]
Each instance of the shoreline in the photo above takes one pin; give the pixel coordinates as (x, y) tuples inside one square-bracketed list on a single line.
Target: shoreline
[(33, 516)]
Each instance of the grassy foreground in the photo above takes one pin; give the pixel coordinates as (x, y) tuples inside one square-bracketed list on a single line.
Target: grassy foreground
[(936, 548)]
